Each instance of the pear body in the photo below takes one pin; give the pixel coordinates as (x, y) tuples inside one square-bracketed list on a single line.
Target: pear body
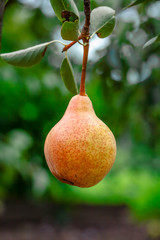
[(80, 149)]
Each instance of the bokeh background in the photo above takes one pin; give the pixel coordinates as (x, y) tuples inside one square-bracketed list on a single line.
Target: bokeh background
[(123, 82)]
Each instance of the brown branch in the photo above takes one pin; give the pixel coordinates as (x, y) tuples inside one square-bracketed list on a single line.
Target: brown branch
[(2, 6), (87, 11), (71, 44)]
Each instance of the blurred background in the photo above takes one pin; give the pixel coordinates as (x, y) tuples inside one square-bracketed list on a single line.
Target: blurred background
[(123, 82)]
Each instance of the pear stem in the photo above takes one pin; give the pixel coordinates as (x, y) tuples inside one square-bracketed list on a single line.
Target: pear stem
[(85, 36), (84, 66)]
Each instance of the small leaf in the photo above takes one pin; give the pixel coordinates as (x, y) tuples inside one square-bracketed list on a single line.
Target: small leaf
[(66, 72), (62, 5), (58, 8), (69, 30), (107, 29), (100, 17), (71, 6), (27, 57), (137, 2), (151, 41), (68, 16), (6, 1)]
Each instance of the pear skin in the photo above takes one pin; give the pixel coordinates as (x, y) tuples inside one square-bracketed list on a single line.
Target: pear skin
[(80, 149)]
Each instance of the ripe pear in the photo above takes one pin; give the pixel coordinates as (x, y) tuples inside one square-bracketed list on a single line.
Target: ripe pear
[(80, 149)]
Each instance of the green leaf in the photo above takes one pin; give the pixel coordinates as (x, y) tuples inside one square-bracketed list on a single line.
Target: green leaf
[(58, 8), (62, 5), (66, 72), (27, 57), (137, 2), (100, 17), (107, 29), (151, 41), (71, 6), (69, 30), (6, 1)]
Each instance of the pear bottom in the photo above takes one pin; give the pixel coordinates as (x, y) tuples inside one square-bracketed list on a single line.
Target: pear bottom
[(80, 149)]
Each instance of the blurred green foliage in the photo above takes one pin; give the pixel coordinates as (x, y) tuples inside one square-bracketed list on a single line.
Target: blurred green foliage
[(124, 86)]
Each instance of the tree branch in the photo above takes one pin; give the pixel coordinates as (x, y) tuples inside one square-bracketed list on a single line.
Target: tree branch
[(71, 44), (87, 11), (2, 6)]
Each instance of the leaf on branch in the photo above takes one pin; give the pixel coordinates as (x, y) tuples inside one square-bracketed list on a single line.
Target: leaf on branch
[(71, 6), (61, 5), (151, 41), (27, 57), (107, 29), (137, 2), (102, 21), (67, 75), (68, 16), (69, 30), (134, 3)]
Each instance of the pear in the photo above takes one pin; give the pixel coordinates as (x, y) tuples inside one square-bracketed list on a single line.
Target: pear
[(80, 149)]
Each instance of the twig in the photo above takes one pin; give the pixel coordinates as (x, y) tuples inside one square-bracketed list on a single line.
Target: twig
[(87, 11), (71, 44)]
